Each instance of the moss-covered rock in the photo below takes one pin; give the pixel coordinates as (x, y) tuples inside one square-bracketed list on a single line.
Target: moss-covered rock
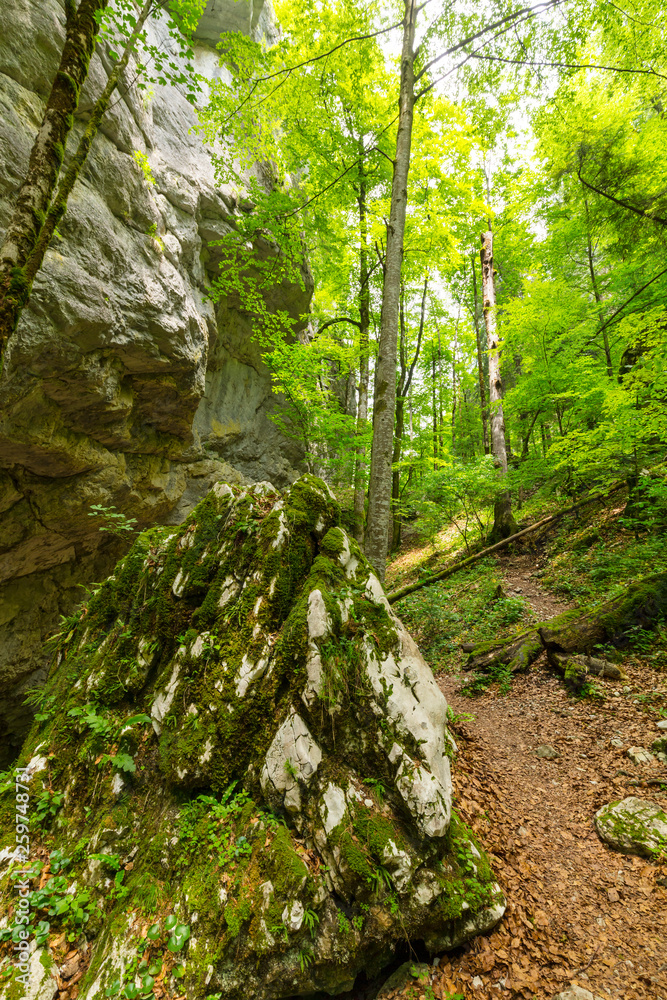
[(241, 767), (633, 826)]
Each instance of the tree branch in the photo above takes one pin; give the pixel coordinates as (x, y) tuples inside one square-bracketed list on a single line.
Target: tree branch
[(339, 319), (622, 204), (561, 65), (307, 62), (508, 20), (609, 321)]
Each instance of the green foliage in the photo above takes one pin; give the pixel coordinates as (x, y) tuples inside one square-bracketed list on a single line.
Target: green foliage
[(466, 609), (108, 730), (142, 162), (459, 496), (70, 910), (208, 823), (48, 805), (310, 922), (112, 520), (119, 20)]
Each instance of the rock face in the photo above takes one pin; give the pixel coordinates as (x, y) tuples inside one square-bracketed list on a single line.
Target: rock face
[(633, 826), (254, 759), (124, 385)]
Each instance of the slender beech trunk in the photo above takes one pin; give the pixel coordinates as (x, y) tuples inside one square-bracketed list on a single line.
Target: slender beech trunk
[(456, 333), (398, 425), (503, 520), (379, 498), (364, 353), (441, 418), (404, 385), (435, 415), (46, 157), (480, 367), (596, 293)]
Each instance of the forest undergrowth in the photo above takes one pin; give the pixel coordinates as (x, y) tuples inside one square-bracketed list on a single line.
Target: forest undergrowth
[(578, 913)]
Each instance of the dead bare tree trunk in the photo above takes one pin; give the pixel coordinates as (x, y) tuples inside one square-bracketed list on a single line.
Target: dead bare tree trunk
[(504, 524), (480, 368)]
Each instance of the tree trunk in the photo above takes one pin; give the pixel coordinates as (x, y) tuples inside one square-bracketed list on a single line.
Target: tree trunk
[(596, 293), (379, 499), (454, 391), (59, 204), (46, 159), (364, 353), (404, 385), (480, 368), (435, 415), (504, 524), (495, 380), (398, 429)]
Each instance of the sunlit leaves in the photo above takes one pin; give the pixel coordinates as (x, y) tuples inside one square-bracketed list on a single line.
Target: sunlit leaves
[(155, 60)]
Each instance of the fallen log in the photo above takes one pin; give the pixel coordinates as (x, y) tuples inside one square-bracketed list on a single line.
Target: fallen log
[(410, 588), (580, 631), (517, 654)]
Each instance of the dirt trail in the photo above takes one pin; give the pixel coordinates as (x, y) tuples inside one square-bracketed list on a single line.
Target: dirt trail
[(577, 912), (518, 575)]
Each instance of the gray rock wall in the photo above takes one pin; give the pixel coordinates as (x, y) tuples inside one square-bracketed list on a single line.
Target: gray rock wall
[(124, 385)]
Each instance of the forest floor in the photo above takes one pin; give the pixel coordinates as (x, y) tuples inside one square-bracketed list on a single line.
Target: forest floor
[(578, 913)]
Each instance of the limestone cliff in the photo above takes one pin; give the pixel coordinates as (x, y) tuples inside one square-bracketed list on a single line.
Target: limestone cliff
[(124, 385)]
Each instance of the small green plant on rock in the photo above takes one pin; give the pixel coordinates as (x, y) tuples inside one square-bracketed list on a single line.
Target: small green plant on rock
[(111, 731), (209, 821), (48, 806), (311, 920), (377, 788), (112, 520), (142, 162), (152, 233)]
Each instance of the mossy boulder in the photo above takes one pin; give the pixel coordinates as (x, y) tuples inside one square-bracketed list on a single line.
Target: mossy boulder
[(633, 826), (240, 769)]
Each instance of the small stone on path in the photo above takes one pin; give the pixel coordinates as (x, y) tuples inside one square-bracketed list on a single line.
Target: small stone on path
[(639, 756), (617, 743), (662, 724), (547, 752), (576, 993)]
